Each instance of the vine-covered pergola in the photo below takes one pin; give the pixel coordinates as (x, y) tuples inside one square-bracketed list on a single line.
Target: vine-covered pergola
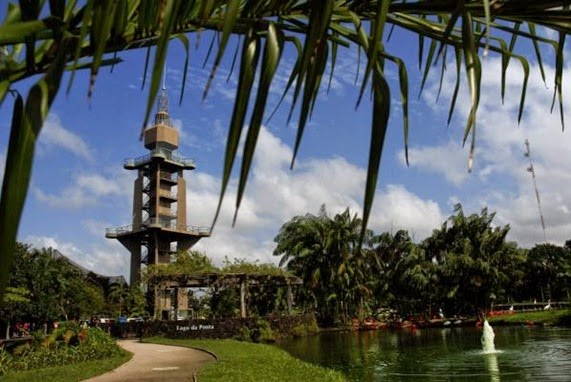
[(242, 280)]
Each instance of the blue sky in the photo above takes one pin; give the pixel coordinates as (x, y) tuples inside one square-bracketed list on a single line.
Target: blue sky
[(79, 187)]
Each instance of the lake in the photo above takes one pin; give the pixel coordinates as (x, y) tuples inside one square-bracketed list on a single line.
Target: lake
[(451, 354)]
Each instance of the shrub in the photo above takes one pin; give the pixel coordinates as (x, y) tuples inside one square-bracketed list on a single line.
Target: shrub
[(304, 329), (266, 332), (67, 345), (6, 360), (244, 334)]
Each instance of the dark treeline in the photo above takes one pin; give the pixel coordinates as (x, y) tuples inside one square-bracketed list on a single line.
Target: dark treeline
[(464, 267), (45, 287)]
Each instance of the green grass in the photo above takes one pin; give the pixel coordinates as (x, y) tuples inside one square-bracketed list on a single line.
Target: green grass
[(246, 361), (549, 317), (69, 373)]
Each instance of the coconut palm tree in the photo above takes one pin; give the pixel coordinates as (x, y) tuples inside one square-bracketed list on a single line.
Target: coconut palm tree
[(44, 39)]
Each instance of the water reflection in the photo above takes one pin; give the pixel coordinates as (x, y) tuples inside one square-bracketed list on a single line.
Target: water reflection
[(491, 360), (453, 354)]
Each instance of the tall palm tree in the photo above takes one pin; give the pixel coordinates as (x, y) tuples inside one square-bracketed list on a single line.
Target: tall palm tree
[(325, 253), (70, 34), (392, 252), (301, 243)]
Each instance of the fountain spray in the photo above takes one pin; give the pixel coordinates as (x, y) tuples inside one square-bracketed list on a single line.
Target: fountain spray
[(488, 338)]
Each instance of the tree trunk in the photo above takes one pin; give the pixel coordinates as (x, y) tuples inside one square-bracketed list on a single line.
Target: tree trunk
[(289, 300), (243, 299)]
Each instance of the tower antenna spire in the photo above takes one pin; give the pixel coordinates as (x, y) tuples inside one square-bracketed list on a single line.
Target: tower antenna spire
[(531, 169), (162, 115)]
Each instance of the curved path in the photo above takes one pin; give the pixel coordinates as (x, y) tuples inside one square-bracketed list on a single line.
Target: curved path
[(153, 362)]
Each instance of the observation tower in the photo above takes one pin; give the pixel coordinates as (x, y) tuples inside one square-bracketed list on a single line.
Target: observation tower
[(159, 228)]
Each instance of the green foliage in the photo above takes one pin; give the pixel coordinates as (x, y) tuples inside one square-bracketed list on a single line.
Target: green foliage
[(71, 372), (244, 361), (263, 298), (68, 344), (224, 302), (548, 272), (266, 297), (248, 268), (194, 262), (45, 287), (266, 333), (125, 300), (244, 334), (16, 295), (74, 35), (6, 361), (470, 253), (325, 253), (463, 267), (543, 317), (305, 329), (186, 263)]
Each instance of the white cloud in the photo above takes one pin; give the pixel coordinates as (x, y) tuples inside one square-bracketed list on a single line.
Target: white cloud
[(449, 160), (274, 195), (398, 208), (506, 186), (98, 185), (55, 135), (86, 190), (95, 227), (106, 258)]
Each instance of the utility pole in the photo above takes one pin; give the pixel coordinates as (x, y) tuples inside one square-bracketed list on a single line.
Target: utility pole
[(531, 169)]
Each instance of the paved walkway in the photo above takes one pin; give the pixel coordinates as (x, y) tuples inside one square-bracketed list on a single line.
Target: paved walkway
[(152, 362)]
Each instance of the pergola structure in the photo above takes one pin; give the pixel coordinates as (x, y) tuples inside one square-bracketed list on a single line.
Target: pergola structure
[(217, 279)]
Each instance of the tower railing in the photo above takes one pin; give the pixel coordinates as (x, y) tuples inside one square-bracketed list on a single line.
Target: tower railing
[(155, 222), (166, 154)]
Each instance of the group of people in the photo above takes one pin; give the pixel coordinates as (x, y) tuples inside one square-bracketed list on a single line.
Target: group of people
[(23, 329)]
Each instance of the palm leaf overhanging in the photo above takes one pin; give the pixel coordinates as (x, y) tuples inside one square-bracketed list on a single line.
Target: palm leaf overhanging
[(67, 35)]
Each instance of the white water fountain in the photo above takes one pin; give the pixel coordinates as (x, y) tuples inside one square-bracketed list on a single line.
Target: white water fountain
[(490, 352), (488, 338)]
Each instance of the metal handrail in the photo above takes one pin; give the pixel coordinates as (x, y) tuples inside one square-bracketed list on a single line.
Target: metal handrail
[(134, 162), (119, 230), (197, 230)]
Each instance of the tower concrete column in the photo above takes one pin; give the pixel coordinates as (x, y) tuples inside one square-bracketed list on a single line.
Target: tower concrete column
[(159, 222)]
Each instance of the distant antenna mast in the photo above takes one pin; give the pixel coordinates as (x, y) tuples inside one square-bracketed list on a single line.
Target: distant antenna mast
[(531, 169)]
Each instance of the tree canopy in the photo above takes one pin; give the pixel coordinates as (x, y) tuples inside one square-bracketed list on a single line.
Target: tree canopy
[(464, 267), (44, 41), (45, 286)]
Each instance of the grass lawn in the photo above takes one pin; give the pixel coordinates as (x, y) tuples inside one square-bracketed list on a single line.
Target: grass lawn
[(544, 317), (68, 373), (246, 361)]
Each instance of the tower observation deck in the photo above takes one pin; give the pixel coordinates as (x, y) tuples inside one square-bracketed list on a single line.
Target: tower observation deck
[(159, 227)]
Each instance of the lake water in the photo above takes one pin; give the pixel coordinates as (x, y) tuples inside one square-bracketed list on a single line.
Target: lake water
[(452, 354)]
